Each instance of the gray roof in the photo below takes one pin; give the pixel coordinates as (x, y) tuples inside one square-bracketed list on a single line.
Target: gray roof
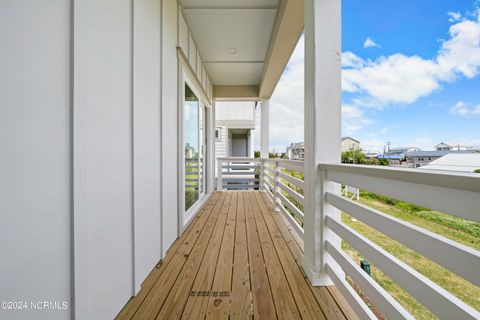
[(436, 153), (345, 138), (456, 162)]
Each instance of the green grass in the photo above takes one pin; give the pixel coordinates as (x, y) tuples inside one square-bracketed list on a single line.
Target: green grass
[(454, 228), (459, 287)]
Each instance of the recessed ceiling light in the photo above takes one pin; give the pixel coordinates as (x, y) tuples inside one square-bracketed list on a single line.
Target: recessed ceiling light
[(232, 51)]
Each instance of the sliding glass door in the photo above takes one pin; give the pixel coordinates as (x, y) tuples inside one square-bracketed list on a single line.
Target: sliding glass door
[(194, 142)]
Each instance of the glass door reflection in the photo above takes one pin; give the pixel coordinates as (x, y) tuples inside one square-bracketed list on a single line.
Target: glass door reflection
[(192, 153)]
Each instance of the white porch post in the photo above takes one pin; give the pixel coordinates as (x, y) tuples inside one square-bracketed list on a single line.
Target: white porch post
[(322, 128), (211, 159), (264, 127)]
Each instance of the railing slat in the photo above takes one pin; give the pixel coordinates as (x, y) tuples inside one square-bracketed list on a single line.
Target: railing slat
[(298, 228), (296, 211), (432, 192), (360, 308), (459, 258), (442, 303), (295, 181), (269, 193), (268, 184), (292, 193), (388, 305), (291, 165)]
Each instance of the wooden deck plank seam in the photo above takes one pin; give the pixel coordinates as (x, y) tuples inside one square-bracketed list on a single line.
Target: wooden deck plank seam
[(222, 249), (247, 202), (236, 253), (163, 264), (205, 225), (258, 217), (339, 307), (201, 260), (269, 211)]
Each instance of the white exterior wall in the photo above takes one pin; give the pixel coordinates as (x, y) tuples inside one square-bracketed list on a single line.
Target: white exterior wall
[(147, 138), (236, 110), (169, 123), (89, 140), (103, 146), (35, 163)]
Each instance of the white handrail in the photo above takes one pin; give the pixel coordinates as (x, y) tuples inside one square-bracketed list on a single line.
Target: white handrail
[(457, 194)]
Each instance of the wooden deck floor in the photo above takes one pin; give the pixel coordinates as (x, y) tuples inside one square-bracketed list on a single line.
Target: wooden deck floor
[(237, 260)]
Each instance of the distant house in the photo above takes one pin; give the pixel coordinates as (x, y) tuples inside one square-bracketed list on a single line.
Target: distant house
[(349, 144), (397, 156), (296, 151), (421, 158), (457, 162), (394, 159), (234, 125), (442, 146), (371, 155)]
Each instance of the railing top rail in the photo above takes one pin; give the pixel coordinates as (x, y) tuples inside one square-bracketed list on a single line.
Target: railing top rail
[(238, 159), (452, 180), (294, 162)]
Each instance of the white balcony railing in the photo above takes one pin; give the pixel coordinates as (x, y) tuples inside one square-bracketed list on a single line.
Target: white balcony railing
[(238, 173), (455, 194), (452, 193)]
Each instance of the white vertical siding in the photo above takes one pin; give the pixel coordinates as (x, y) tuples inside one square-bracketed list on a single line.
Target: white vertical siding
[(146, 115), (103, 146), (192, 53), (35, 155), (169, 124), (103, 185), (235, 110), (183, 37), (221, 146)]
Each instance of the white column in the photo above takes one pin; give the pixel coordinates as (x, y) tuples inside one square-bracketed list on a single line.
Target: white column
[(251, 147), (211, 158), (264, 127), (322, 128)]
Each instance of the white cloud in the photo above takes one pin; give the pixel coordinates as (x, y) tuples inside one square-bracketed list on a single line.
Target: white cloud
[(423, 143), (286, 105), (454, 16), (388, 80), (460, 109), (388, 129), (353, 119), (373, 145), (401, 79), (350, 60), (463, 110), (369, 43)]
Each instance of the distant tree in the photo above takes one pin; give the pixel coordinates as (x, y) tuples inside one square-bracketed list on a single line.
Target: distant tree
[(353, 156), (477, 171), (272, 155), (256, 154), (383, 162)]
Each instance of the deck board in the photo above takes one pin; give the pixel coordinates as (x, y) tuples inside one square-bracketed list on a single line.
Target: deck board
[(238, 259)]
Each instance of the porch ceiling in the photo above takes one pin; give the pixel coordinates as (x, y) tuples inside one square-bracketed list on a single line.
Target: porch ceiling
[(251, 28)]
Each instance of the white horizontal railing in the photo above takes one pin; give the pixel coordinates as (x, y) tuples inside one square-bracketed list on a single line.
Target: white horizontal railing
[(238, 173), (277, 179), (456, 194)]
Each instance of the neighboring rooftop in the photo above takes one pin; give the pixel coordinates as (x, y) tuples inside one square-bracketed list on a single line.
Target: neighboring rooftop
[(345, 138), (458, 162), (436, 153)]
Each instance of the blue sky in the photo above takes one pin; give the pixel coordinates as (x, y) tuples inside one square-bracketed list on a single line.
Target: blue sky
[(411, 76)]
